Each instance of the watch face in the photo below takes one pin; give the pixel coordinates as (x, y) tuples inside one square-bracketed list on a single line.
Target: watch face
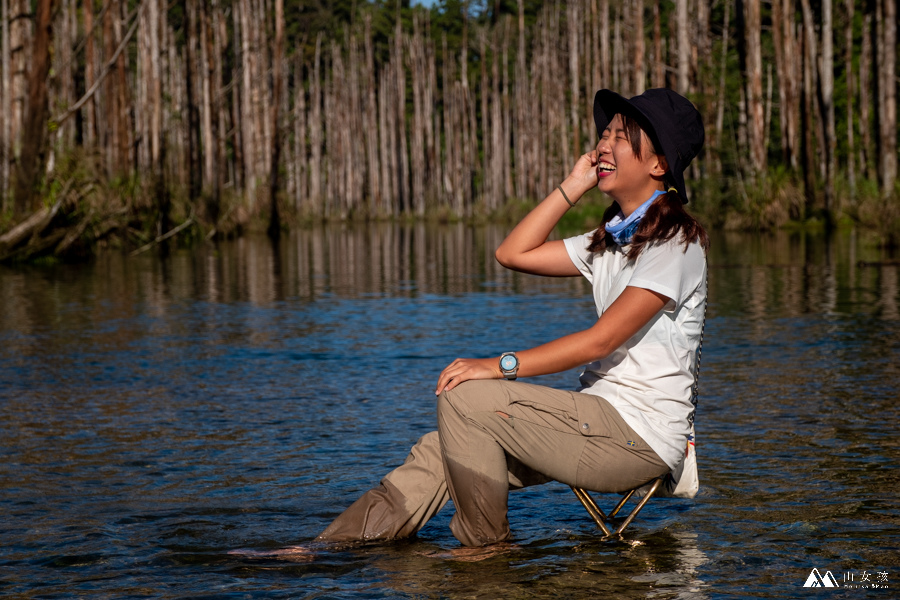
[(508, 362)]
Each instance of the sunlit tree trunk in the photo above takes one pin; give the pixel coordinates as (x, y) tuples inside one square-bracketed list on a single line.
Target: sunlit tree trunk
[(403, 199), (416, 59), (371, 119), (520, 101), (684, 50), (573, 20), (886, 20), (640, 78), (315, 130), (21, 46), (753, 85)]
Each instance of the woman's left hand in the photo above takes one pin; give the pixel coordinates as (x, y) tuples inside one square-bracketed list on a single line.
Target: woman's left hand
[(464, 369)]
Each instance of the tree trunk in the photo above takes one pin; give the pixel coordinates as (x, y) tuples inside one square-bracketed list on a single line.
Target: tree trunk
[(416, 58), (753, 85), (192, 137), (35, 131), (403, 199), (720, 101), (684, 50), (315, 130), (785, 65), (89, 127), (277, 81), (866, 61), (247, 120), (5, 105), (848, 69), (207, 109), (21, 45), (887, 94), (605, 66), (640, 78), (371, 119), (124, 125), (826, 103), (573, 20), (520, 100), (806, 118)]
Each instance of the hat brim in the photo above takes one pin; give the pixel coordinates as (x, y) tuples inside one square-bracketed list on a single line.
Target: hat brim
[(607, 104)]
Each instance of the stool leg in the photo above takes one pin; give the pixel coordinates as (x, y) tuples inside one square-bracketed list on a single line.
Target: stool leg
[(593, 510), (640, 505), (621, 503)]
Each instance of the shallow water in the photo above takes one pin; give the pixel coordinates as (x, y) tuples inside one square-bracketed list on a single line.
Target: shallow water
[(155, 414)]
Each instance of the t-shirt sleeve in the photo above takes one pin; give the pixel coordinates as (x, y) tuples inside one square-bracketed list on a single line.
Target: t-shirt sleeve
[(669, 270), (582, 258)]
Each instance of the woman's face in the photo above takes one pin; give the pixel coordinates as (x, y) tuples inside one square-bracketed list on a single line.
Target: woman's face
[(620, 173)]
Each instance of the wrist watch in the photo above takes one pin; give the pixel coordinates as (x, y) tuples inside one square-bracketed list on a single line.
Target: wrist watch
[(509, 365)]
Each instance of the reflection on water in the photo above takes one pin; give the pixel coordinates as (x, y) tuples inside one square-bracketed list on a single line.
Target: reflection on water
[(156, 414)]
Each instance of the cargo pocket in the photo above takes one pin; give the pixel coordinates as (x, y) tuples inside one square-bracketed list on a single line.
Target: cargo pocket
[(546, 408), (593, 414)]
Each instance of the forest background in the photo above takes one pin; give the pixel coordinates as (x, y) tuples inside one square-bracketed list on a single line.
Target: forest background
[(136, 120)]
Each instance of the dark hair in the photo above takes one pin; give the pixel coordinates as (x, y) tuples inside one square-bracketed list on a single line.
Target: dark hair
[(664, 219)]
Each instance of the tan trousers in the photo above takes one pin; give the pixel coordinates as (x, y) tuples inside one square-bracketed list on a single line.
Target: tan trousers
[(494, 436)]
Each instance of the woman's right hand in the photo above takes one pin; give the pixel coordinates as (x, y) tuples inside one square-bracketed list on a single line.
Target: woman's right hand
[(583, 176)]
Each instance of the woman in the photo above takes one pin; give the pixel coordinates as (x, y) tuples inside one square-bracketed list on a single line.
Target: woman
[(629, 421)]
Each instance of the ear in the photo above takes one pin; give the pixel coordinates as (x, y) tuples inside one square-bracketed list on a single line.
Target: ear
[(660, 166)]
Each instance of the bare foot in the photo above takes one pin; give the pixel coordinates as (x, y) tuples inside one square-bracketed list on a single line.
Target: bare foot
[(474, 554), (294, 553)]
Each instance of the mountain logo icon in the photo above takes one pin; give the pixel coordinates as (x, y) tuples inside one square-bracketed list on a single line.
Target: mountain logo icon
[(817, 580)]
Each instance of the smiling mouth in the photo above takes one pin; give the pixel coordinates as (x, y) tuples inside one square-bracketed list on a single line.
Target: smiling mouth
[(604, 169)]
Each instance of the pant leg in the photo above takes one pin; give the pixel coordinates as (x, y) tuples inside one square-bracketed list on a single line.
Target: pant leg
[(474, 463), (401, 504), (577, 439), (478, 455), (574, 438)]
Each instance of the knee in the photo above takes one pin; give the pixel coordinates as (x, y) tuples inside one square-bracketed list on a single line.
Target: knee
[(445, 402), (472, 396)]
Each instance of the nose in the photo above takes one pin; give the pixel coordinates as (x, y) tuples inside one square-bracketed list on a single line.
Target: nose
[(603, 146)]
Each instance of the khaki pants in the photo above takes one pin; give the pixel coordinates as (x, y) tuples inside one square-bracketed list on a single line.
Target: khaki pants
[(494, 436)]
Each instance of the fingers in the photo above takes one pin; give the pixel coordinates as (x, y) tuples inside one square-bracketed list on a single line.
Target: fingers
[(451, 376), (464, 369)]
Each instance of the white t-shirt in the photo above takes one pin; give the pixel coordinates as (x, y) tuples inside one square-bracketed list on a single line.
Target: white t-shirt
[(648, 379)]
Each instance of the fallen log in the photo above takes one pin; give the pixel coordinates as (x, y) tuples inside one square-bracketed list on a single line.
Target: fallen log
[(35, 246), (34, 225), (23, 230)]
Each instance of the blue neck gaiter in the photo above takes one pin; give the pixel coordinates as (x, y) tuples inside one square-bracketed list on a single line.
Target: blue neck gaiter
[(623, 230)]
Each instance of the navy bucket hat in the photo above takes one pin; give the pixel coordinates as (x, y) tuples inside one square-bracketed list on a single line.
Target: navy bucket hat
[(670, 120)]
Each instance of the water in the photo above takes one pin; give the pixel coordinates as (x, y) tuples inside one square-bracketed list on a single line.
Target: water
[(155, 414)]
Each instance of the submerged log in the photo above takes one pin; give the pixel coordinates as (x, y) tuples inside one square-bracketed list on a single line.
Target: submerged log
[(165, 236)]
